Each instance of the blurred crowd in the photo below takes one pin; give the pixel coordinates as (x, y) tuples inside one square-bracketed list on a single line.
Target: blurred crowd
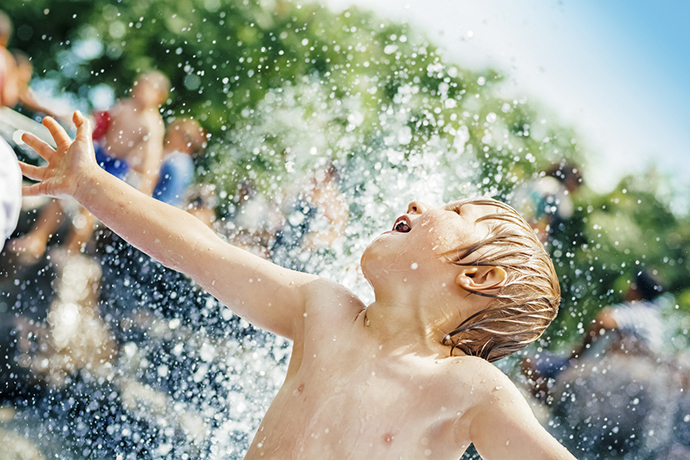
[(76, 302), (78, 305), (619, 393)]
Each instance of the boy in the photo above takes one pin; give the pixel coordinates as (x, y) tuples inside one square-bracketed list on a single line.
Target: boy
[(129, 146), (391, 380)]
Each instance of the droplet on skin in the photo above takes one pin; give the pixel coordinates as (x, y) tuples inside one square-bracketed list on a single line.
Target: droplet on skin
[(414, 266)]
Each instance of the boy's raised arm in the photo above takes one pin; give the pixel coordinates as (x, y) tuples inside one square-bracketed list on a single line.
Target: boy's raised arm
[(267, 295), (505, 427)]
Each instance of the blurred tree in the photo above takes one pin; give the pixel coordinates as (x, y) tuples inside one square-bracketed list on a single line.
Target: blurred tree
[(282, 87)]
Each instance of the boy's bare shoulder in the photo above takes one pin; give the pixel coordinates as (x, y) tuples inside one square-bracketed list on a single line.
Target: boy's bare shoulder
[(486, 381), (326, 297)]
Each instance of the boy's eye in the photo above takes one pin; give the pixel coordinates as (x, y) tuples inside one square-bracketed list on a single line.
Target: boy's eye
[(402, 227)]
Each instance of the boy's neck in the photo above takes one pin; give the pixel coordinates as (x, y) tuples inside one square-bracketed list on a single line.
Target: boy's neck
[(413, 318)]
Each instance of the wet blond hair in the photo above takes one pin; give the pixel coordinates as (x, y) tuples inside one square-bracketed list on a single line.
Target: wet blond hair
[(525, 304)]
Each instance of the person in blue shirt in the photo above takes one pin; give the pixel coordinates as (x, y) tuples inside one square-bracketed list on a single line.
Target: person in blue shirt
[(184, 139), (636, 324)]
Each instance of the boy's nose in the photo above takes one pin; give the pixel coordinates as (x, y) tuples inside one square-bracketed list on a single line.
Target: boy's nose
[(417, 207)]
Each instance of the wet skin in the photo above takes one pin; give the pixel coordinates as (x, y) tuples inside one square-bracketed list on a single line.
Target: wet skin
[(368, 382), (348, 395), (364, 382)]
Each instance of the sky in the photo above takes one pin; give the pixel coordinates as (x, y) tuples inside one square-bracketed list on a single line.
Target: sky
[(615, 70)]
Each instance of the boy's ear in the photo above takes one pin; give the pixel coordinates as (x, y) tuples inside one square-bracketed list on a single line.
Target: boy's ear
[(481, 278)]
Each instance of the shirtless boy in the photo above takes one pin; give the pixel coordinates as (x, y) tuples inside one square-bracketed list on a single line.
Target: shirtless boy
[(129, 145), (405, 377)]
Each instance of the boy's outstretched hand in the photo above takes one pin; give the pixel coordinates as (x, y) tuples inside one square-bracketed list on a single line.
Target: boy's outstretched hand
[(67, 165), (268, 296)]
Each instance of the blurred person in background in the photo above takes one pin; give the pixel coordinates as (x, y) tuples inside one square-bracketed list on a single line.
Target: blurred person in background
[(200, 201), (617, 394), (128, 139), (184, 139), (546, 202), (26, 97), (9, 95), (634, 325), (315, 216), (255, 221)]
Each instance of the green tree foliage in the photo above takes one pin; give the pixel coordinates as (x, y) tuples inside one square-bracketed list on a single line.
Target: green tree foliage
[(284, 88), (613, 236)]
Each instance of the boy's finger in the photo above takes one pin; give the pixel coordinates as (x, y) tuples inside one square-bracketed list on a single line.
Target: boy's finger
[(83, 125), (41, 147), (31, 190), (32, 172), (58, 132)]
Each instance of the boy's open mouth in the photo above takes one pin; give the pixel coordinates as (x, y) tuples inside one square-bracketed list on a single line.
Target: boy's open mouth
[(402, 224)]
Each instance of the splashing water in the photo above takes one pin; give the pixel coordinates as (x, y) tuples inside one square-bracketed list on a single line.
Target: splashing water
[(304, 90)]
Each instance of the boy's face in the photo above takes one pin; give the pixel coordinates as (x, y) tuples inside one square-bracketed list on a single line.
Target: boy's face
[(419, 239)]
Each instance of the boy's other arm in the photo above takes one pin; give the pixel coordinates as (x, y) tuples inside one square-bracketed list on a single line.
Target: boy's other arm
[(503, 426), (269, 296)]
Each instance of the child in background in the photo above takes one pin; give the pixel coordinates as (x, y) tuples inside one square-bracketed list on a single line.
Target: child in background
[(184, 139), (129, 135), (129, 145), (547, 202), (27, 98), (408, 376)]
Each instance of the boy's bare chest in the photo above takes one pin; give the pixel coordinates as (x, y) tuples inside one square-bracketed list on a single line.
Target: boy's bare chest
[(358, 404), (128, 130)]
